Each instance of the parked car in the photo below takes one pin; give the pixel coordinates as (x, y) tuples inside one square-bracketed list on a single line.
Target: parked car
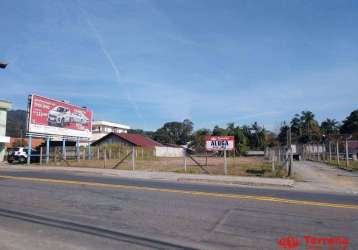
[(20, 154), (79, 117), (59, 116)]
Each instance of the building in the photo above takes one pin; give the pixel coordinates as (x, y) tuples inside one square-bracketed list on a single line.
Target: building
[(103, 128), (136, 140), (126, 139), (4, 107)]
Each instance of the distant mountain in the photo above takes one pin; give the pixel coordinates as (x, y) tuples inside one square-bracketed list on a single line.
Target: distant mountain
[(16, 123)]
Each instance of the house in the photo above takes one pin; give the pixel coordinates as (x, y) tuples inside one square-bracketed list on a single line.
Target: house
[(126, 139), (4, 107), (137, 140), (103, 128), (353, 148)]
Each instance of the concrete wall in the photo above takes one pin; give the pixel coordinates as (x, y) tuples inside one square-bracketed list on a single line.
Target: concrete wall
[(169, 152), (4, 106)]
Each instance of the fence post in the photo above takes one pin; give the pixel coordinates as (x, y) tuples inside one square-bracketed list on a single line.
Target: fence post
[(133, 159), (84, 154), (105, 157), (225, 162), (330, 151), (337, 151), (347, 153), (41, 156), (142, 154), (97, 153), (273, 161), (110, 153), (185, 162)]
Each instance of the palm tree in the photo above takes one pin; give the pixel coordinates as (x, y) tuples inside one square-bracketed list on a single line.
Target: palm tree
[(329, 126)]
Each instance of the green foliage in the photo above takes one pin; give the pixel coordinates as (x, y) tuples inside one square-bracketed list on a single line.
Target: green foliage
[(350, 124), (174, 132), (329, 127)]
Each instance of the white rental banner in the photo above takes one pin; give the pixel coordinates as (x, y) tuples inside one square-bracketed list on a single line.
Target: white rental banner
[(219, 143)]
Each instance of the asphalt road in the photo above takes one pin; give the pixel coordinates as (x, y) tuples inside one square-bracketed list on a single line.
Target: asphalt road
[(58, 210)]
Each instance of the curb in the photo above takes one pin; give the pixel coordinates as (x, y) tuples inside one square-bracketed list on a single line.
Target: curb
[(166, 176)]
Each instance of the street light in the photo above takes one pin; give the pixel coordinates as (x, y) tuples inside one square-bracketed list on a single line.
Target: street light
[(3, 65)]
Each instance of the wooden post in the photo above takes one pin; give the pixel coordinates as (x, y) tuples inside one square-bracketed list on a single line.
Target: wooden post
[(84, 153), (330, 151), (142, 154), (206, 158), (97, 153), (110, 153), (347, 154), (133, 159), (225, 162), (105, 157), (279, 155), (337, 151), (273, 161), (41, 156), (185, 162)]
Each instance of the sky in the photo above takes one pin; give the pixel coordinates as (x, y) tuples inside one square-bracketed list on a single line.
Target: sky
[(147, 62)]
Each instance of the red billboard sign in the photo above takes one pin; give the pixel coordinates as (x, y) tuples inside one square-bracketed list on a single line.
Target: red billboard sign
[(48, 116), (219, 143)]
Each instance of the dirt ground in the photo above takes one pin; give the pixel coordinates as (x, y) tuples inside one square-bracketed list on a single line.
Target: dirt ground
[(239, 166)]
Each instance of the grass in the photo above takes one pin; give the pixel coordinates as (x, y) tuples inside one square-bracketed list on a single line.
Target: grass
[(238, 166), (352, 165)]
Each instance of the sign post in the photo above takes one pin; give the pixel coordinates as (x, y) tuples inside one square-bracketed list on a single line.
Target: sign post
[(220, 143), (225, 162)]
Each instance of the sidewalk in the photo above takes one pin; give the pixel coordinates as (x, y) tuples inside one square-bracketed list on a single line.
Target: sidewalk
[(167, 176), (322, 177)]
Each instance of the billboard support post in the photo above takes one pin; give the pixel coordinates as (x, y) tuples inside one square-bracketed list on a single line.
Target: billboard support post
[(29, 150), (89, 150), (47, 149), (64, 149), (78, 148)]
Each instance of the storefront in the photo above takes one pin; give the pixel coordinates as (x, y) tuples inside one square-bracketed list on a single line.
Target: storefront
[(4, 107)]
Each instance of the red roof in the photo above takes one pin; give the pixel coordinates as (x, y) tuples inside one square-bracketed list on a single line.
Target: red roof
[(135, 139), (139, 140)]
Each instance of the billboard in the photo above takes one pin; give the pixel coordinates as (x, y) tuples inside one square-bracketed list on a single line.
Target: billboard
[(221, 143), (51, 117)]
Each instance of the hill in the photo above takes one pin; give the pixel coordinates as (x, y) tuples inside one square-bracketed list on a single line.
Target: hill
[(16, 123)]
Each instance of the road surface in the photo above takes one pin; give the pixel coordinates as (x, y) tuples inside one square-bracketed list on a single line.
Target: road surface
[(59, 210)]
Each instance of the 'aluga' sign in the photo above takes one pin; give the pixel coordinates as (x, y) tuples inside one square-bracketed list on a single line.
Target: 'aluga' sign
[(213, 143)]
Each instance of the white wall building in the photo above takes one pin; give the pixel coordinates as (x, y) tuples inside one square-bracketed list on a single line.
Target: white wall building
[(4, 107), (102, 128)]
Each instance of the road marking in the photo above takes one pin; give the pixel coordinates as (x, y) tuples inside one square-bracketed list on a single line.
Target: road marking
[(196, 193)]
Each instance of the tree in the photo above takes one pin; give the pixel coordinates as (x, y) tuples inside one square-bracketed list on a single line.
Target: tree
[(329, 127), (282, 135), (350, 124), (198, 139), (174, 132)]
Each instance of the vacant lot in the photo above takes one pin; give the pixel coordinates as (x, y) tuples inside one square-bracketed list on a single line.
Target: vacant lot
[(243, 166)]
